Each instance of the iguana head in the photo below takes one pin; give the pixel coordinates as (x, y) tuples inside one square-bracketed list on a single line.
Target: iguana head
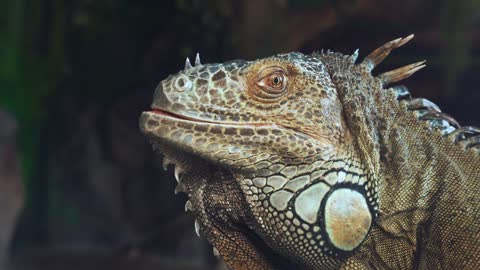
[(278, 125), (240, 113)]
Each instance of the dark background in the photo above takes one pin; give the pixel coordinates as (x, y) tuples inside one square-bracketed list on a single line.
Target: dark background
[(76, 75)]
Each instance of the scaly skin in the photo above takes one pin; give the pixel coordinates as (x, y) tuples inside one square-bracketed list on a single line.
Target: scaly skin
[(309, 162)]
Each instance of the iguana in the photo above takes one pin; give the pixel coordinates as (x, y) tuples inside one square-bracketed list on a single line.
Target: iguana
[(310, 162)]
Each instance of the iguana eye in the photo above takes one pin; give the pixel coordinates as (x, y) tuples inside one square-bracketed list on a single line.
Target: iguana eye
[(271, 82), (275, 80)]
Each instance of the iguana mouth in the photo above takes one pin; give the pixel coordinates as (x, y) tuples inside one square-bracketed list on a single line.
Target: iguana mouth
[(174, 115), (249, 125), (180, 117)]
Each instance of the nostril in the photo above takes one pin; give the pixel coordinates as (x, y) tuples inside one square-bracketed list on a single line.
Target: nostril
[(182, 84)]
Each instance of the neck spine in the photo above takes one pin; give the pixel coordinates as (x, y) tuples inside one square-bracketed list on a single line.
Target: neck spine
[(404, 143)]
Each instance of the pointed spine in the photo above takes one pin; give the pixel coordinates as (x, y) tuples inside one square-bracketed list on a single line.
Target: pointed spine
[(188, 206), (400, 73), (422, 103), (215, 252), (197, 227), (353, 58), (178, 173), (197, 60), (463, 133), (166, 162), (188, 65), (377, 56)]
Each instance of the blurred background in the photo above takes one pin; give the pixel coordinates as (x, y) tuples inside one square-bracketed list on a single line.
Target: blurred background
[(79, 185)]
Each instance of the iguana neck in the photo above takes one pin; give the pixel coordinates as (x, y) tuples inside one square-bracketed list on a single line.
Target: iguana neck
[(410, 158), (415, 154)]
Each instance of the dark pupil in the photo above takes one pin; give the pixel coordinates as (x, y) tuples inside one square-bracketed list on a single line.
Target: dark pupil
[(276, 80)]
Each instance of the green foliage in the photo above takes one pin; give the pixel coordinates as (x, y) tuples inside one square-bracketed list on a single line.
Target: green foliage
[(25, 80), (27, 77), (86, 48)]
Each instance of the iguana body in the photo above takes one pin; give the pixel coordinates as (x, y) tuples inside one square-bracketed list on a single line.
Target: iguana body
[(309, 162)]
